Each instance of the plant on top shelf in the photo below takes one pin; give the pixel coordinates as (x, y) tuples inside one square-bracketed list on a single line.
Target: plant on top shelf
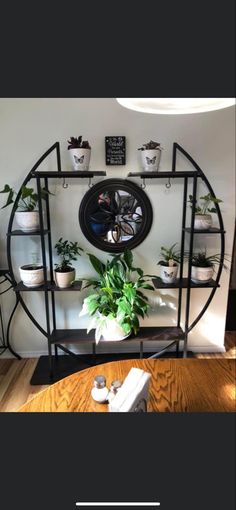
[(64, 272), (203, 266), (27, 215), (169, 263), (150, 156), (118, 300), (203, 220), (80, 152)]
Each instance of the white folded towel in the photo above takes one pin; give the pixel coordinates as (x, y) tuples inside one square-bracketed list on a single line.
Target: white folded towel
[(133, 390)]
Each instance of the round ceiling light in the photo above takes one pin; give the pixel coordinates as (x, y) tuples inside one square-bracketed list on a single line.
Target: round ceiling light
[(176, 105)]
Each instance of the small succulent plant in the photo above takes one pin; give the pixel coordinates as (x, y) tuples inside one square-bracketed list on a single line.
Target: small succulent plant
[(76, 143), (150, 146)]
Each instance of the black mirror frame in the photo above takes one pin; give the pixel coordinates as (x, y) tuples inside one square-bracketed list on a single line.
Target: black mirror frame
[(124, 185)]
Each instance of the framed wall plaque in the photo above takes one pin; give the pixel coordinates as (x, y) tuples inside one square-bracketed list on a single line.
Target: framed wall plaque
[(115, 148)]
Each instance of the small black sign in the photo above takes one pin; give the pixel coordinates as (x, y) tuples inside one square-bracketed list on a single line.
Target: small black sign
[(115, 150)]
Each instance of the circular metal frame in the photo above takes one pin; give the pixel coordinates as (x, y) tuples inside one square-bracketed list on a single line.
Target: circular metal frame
[(111, 185)]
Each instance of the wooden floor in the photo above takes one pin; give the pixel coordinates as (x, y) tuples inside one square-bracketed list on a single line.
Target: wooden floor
[(15, 388)]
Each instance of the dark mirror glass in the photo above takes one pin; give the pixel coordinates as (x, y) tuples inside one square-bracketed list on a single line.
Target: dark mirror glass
[(115, 214)]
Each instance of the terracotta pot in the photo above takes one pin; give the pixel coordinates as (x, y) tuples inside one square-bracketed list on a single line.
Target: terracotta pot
[(202, 221), (32, 276), (64, 280), (28, 221), (201, 274)]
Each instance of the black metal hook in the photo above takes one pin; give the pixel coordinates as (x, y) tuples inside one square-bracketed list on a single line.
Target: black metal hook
[(168, 184), (143, 185), (64, 184)]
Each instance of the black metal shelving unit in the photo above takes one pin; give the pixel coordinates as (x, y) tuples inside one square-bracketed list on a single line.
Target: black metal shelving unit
[(60, 338)]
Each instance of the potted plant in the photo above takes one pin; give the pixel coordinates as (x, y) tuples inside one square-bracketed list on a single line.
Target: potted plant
[(151, 156), (27, 216), (117, 301), (169, 263), (64, 272), (203, 266), (80, 152), (32, 275), (203, 220)]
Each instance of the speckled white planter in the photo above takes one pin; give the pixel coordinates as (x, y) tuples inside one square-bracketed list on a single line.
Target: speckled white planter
[(32, 276), (64, 280), (202, 221), (80, 158), (151, 160), (113, 332), (28, 221), (201, 274), (169, 273)]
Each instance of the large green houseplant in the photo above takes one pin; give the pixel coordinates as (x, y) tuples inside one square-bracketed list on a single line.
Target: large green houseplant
[(118, 300)]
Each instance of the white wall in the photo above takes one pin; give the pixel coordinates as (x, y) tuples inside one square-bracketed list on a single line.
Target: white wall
[(28, 127)]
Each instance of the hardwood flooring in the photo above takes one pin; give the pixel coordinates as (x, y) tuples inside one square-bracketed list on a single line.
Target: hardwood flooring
[(15, 388)]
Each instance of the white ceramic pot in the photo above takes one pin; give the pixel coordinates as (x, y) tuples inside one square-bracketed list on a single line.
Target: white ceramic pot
[(202, 221), (151, 160), (28, 221), (31, 276), (80, 158), (201, 274), (113, 332), (64, 280), (169, 273)]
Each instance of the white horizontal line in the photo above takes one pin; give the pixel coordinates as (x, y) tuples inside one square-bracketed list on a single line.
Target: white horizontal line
[(115, 503)]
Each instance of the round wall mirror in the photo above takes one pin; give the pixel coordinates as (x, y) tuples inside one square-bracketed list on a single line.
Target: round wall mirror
[(115, 214)]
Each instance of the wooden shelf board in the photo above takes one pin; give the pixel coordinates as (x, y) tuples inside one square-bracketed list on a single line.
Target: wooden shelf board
[(159, 284), (146, 334), (20, 287), (159, 175), (21, 233), (212, 230), (69, 174)]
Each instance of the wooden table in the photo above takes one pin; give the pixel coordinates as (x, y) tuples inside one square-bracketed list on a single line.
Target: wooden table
[(177, 385)]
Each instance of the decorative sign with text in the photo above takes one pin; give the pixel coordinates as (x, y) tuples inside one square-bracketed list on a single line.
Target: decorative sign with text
[(115, 150)]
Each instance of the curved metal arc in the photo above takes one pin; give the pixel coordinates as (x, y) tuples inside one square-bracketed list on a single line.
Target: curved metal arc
[(9, 230), (8, 329), (31, 316), (15, 205), (204, 178)]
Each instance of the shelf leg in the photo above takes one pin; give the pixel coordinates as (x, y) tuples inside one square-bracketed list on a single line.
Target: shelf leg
[(177, 349), (141, 350), (50, 359)]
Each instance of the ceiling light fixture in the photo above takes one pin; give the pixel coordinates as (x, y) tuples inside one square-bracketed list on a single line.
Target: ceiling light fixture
[(176, 105)]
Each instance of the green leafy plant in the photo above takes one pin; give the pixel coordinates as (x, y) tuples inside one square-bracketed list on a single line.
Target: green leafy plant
[(67, 251), (77, 143), (204, 207), (170, 256), (118, 294), (150, 146), (200, 259), (28, 199)]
